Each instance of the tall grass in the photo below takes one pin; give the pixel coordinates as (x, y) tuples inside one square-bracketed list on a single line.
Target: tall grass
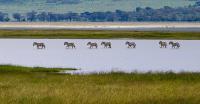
[(112, 88)]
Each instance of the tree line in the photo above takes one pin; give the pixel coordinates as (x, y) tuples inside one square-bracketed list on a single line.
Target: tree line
[(189, 13)]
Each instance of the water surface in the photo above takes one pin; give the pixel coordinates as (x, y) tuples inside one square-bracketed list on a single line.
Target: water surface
[(146, 57)]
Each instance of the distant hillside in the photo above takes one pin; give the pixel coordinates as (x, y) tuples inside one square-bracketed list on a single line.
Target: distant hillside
[(64, 6)]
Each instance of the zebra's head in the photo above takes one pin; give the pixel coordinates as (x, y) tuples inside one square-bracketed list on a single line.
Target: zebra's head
[(88, 43), (127, 42), (34, 43), (160, 42), (103, 43), (171, 42), (65, 43)]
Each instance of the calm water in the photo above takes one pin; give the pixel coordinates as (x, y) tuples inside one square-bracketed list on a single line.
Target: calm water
[(146, 57)]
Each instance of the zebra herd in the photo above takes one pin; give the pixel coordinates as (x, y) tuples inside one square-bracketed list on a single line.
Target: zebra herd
[(173, 44), (108, 45)]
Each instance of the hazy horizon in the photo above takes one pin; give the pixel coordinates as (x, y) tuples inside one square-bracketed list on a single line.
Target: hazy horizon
[(64, 6)]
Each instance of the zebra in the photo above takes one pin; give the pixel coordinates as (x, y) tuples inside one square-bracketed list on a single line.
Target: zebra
[(174, 44), (67, 44), (106, 44), (163, 44), (92, 45), (39, 45), (131, 44)]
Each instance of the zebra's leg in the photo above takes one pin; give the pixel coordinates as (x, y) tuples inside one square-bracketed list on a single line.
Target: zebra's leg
[(133, 46), (39, 47)]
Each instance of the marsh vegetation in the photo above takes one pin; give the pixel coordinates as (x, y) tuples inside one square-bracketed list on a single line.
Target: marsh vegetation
[(112, 88)]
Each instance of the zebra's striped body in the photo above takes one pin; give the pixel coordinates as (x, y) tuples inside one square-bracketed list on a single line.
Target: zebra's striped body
[(39, 45), (174, 44), (92, 45), (131, 44), (163, 44), (67, 44)]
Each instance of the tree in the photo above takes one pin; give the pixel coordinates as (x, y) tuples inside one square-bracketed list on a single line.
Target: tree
[(17, 16), (3, 16), (6, 19), (31, 16), (42, 16)]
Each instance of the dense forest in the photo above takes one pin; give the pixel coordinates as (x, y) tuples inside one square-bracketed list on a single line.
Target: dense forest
[(189, 13)]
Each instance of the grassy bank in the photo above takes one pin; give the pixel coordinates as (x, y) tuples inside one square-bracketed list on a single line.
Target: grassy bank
[(96, 34), (10, 68), (113, 88)]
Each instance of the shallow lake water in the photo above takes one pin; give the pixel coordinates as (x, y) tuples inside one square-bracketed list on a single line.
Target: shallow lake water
[(147, 56)]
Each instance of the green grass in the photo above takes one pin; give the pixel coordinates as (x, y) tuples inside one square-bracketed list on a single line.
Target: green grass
[(9, 68), (96, 34), (113, 88)]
